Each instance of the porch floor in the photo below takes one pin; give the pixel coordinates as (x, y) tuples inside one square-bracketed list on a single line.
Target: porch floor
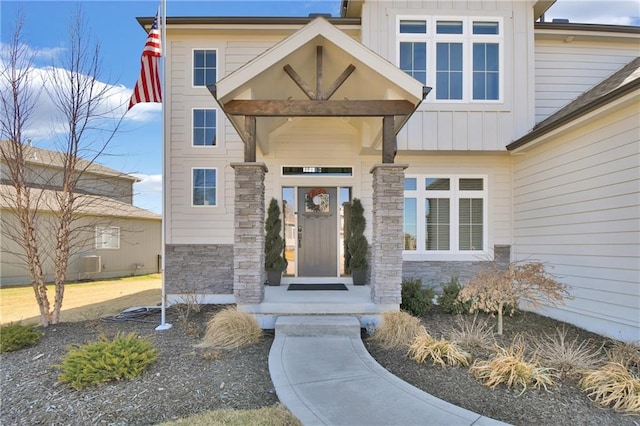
[(278, 301)]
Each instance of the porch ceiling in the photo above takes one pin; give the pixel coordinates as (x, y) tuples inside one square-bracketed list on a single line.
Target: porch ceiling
[(336, 77)]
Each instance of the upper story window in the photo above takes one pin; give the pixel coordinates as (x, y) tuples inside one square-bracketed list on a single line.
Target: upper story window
[(204, 185), (461, 58), (107, 237), (205, 67), (445, 214), (204, 127)]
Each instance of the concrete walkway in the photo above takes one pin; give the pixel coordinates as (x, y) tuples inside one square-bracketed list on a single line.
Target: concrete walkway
[(324, 375)]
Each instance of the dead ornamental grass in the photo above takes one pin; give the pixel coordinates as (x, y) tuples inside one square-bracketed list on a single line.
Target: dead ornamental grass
[(397, 329), (442, 352), (230, 329), (615, 386), (472, 334), (569, 358), (267, 416), (509, 367)]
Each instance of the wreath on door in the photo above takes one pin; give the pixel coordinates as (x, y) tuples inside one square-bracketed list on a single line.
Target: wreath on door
[(317, 201)]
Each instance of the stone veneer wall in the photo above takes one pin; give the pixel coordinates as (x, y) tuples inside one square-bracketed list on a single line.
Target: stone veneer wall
[(386, 247), (198, 269), (434, 273)]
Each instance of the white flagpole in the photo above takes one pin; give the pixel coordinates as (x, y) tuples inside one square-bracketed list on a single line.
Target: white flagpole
[(163, 35)]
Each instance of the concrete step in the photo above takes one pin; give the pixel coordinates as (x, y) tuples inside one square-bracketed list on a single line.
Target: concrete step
[(318, 325)]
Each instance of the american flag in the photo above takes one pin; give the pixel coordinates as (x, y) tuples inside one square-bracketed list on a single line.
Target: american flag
[(148, 88)]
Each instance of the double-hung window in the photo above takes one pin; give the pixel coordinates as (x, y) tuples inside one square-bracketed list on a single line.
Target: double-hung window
[(204, 184), (445, 214), (107, 237), (460, 57), (204, 127), (205, 67)]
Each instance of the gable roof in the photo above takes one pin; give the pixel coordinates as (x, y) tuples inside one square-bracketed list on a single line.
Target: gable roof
[(263, 78), (55, 159), (88, 205), (619, 84)]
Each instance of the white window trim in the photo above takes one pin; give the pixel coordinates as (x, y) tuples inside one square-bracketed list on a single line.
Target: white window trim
[(206, 206), (467, 38), (454, 194), (210, 147), (100, 231), (193, 63)]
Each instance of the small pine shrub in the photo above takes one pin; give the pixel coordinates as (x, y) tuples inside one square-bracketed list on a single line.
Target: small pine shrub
[(442, 352), (615, 386), (18, 336), (230, 328), (397, 329), (124, 357), (415, 299), (510, 367), (448, 299)]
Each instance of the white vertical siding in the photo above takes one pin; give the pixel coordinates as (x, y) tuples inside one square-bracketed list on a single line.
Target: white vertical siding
[(565, 70), (576, 204)]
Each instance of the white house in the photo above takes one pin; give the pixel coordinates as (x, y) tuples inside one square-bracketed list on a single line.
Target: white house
[(459, 125)]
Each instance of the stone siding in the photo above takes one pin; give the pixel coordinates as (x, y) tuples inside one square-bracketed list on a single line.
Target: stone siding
[(434, 273), (386, 247), (199, 269)]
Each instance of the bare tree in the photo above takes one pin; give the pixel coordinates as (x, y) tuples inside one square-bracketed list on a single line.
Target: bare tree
[(89, 123)]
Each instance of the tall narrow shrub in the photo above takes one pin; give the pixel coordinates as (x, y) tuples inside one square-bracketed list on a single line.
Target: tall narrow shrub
[(273, 242), (358, 245)]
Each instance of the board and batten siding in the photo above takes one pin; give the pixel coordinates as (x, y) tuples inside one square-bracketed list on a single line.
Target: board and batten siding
[(565, 70), (576, 203), (187, 224), (456, 126)]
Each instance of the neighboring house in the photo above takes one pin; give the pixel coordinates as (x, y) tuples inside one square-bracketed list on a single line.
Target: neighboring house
[(497, 162), (111, 238)]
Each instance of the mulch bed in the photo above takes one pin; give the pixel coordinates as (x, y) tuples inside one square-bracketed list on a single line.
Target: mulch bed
[(186, 380)]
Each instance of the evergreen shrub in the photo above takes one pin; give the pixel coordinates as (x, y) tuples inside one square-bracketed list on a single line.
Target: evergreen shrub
[(415, 299), (18, 336), (448, 299)]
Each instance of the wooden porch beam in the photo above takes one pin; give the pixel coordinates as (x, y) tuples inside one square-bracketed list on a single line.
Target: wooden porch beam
[(341, 79), (299, 81), (250, 139), (318, 108), (319, 72), (388, 139)]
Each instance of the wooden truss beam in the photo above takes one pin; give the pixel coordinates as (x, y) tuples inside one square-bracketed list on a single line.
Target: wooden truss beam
[(318, 108)]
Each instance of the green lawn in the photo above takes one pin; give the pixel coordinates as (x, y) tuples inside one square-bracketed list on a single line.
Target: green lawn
[(83, 301)]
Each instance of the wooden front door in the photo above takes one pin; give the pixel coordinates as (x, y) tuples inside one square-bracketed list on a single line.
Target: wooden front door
[(317, 232)]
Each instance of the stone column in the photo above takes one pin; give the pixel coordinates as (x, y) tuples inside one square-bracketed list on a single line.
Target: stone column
[(387, 237), (248, 247)]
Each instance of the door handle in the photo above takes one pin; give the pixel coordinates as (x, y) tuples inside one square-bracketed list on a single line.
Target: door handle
[(299, 236)]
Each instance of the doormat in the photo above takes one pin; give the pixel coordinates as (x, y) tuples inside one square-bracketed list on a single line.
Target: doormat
[(334, 286)]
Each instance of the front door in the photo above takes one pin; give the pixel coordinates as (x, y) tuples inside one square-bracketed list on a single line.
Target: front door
[(317, 232)]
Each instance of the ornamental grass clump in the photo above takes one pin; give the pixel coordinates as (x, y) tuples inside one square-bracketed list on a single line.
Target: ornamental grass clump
[(509, 367), (124, 357), (397, 329), (17, 336), (442, 352), (472, 334), (570, 358), (613, 385), (230, 329)]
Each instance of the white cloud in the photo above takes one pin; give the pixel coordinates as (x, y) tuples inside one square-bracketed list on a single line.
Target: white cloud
[(148, 192), (613, 12)]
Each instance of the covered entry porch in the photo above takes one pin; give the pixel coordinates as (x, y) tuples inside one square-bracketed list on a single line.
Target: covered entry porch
[(319, 71)]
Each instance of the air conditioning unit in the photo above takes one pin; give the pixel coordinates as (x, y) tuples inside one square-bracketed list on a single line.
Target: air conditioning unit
[(91, 264)]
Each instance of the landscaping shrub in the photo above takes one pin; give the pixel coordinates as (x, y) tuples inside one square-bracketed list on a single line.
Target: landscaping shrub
[(627, 354), (397, 330), (615, 386), (124, 357), (18, 336), (510, 367), (415, 299), (569, 358), (230, 328), (448, 299), (442, 352)]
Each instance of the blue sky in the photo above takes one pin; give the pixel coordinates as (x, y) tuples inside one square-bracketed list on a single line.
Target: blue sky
[(136, 148)]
